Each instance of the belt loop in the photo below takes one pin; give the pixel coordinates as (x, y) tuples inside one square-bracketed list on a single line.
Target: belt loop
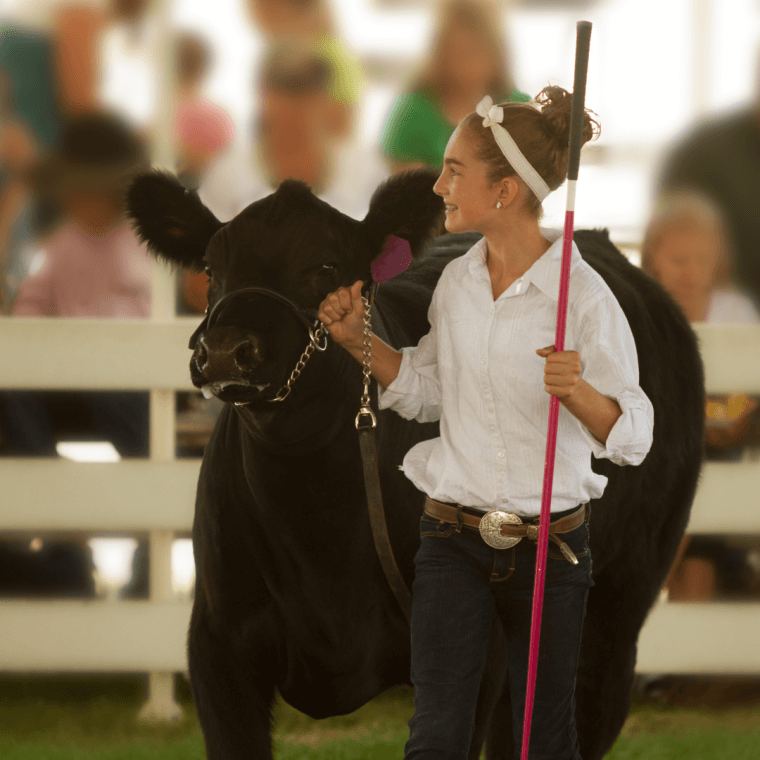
[(459, 518)]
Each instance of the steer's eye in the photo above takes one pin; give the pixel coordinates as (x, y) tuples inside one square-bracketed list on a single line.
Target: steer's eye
[(208, 270), (330, 268)]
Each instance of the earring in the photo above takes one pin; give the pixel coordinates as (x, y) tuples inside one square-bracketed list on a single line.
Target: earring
[(498, 204)]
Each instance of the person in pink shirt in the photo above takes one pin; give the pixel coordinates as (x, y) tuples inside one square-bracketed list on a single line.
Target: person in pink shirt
[(93, 265)]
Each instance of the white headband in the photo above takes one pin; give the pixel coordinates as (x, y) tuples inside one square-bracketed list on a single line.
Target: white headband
[(492, 116)]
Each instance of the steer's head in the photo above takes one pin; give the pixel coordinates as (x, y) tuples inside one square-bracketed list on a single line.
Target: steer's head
[(291, 243)]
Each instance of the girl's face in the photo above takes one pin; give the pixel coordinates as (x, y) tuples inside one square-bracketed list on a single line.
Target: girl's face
[(685, 260), (470, 198)]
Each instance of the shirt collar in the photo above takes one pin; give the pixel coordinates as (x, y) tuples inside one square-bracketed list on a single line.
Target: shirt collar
[(544, 273)]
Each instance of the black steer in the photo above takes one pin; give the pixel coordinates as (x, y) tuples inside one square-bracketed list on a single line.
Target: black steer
[(290, 595)]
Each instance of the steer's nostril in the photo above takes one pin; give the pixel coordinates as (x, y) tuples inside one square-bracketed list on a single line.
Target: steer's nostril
[(244, 353), (201, 357)]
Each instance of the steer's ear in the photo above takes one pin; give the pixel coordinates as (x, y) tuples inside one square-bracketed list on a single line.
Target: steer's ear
[(170, 219), (406, 206)]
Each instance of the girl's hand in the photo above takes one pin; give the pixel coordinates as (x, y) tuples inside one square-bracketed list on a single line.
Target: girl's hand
[(562, 372), (342, 313)]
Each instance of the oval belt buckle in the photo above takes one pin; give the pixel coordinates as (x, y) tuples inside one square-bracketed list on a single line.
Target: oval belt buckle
[(490, 528)]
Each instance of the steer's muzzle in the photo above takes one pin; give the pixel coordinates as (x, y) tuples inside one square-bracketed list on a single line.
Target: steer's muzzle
[(226, 354)]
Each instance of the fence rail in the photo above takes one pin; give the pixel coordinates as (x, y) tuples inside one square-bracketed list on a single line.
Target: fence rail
[(156, 496)]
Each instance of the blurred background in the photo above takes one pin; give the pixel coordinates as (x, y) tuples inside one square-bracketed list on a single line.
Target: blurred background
[(99, 452)]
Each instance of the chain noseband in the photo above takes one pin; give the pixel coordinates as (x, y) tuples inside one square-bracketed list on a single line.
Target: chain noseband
[(317, 337)]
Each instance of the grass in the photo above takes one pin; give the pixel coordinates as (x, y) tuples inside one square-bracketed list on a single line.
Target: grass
[(93, 718)]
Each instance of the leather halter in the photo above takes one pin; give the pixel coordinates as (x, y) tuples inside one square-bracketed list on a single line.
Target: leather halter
[(368, 450), (308, 317)]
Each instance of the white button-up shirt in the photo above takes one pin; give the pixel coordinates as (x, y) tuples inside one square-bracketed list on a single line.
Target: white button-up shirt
[(478, 372)]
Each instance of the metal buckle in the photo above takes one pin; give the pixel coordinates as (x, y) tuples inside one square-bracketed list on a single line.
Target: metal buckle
[(490, 528), (365, 419), (315, 341)]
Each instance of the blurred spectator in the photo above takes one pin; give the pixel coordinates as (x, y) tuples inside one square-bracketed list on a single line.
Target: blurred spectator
[(686, 249), (294, 138), (129, 59), (468, 61), (18, 220), (43, 78), (48, 50), (721, 158), (93, 266), (203, 129), (58, 59), (310, 22)]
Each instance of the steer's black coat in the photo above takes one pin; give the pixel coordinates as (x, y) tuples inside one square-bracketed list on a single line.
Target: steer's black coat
[(290, 595)]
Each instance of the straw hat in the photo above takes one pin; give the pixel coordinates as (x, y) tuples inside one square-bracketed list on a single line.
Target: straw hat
[(95, 151)]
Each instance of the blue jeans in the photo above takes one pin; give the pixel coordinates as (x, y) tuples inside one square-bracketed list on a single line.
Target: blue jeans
[(460, 583)]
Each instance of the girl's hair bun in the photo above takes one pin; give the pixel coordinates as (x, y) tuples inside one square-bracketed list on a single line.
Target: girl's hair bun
[(542, 134), (556, 104)]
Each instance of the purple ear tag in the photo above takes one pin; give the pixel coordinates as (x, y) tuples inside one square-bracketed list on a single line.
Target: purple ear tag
[(393, 260)]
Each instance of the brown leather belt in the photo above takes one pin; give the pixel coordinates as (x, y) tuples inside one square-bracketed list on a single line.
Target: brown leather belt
[(505, 529)]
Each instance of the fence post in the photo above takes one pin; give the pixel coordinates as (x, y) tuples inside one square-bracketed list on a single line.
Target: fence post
[(162, 704)]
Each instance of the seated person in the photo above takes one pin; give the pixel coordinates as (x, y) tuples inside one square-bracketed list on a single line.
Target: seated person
[(93, 265), (685, 248)]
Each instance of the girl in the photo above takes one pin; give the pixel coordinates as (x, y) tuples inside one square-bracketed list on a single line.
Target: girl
[(484, 369)]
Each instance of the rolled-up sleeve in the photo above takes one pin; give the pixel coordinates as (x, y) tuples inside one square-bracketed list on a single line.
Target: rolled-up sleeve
[(610, 365), (415, 393)]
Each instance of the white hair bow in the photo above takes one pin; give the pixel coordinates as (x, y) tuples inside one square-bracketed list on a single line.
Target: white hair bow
[(491, 114)]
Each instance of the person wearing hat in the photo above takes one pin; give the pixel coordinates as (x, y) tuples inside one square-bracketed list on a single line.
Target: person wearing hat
[(93, 265)]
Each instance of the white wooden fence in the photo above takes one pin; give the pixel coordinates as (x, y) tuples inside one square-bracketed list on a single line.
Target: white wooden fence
[(155, 497)]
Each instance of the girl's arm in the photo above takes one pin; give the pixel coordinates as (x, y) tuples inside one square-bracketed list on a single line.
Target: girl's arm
[(408, 380), (562, 378), (600, 385)]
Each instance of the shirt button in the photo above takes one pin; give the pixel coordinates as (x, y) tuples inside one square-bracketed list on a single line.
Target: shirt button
[(501, 455), (490, 409), (483, 360), (492, 310), (504, 501)]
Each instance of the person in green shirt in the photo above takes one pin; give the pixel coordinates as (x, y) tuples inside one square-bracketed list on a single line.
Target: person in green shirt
[(468, 61)]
